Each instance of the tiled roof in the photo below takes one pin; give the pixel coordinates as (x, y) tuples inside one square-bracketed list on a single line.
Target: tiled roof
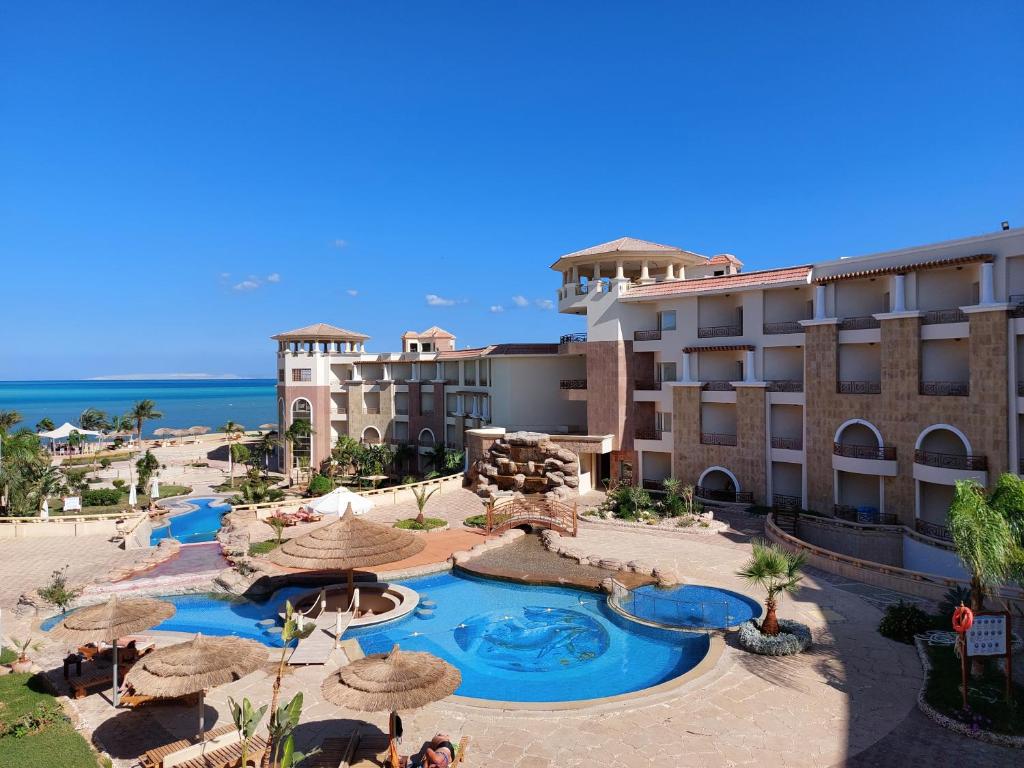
[(721, 283), (431, 332), (464, 354), (631, 244), (321, 331), (725, 258), (912, 267)]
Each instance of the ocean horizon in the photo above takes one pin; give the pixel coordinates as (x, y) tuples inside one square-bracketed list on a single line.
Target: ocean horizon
[(184, 402)]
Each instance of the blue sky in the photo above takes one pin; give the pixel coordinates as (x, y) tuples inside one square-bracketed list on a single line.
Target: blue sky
[(181, 180)]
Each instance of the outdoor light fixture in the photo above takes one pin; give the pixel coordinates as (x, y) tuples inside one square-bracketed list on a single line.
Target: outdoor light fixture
[(1005, 225)]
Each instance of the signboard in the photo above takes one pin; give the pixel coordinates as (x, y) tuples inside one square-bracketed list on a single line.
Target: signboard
[(72, 503), (987, 635)]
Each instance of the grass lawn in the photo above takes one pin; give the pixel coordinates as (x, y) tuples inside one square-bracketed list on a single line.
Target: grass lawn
[(262, 547), (985, 697), (94, 458), (7, 655), (429, 523), (52, 744), (110, 509)]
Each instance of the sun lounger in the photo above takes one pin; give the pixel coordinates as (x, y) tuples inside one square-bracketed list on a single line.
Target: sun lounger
[(134, 700), (335, 752), (460, 751), (227, 756), (91, 681), (154, 758)]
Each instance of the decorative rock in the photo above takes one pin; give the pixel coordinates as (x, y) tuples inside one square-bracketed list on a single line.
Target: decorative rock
[(608, 585), (611, 564), (666, 577), (555, 478), (571, 481), (519, 481)]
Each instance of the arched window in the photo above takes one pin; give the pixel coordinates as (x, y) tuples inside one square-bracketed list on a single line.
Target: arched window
[(371, 436), (426, 438), (302, 445)]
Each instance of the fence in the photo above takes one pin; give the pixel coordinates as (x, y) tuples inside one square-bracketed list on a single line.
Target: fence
[(671, 611)]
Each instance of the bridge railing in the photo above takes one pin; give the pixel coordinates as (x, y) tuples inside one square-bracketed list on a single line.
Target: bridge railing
[(504, 515)]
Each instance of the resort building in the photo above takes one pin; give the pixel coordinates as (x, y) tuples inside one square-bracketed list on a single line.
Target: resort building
[(862, 387)]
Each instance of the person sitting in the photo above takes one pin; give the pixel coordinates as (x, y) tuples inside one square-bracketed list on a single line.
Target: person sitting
[(438, 754)]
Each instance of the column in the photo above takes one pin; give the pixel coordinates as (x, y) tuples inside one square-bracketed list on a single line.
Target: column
[(819, 302), (897, 301), (644, 271), (619, 271), (462, 373), (384, 371), (987, 288), (415, 371), (670, 271), (748, 367), (687, 376)]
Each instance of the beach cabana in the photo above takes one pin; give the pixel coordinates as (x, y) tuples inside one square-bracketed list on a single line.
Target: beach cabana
[(338, 501), (388, 682), (195, 666), (65, 430), (108, 622)]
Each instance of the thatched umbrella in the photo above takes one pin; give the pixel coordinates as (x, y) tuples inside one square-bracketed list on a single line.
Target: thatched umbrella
[(195, 666), (114, 619), (387, 682), (164, 432), (197, 430), (347, 544)]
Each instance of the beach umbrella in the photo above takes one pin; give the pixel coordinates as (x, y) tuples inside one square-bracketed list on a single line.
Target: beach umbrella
[(338, 501), (106, 622), (45, 511), (387, 682), (163, 432), (198, 430), (268, 426), (133, 496), (154, 490), (349, 543), (195, 666)]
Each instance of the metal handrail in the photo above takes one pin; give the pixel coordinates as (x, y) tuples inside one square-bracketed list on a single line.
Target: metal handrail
[(572, 384), (786, 326), (951, 460), (648, 434), (938, 316), (719, 494), (718, 386), (788, 443), (785, 385), (572, 338), (859, 322), (719, 331), (934, 530), (787, 502), (717, 438), (651, 335), (859, 387), (945, 388), (855, 451)]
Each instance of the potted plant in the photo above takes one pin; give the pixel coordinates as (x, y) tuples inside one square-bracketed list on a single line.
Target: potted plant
[(21, 647)]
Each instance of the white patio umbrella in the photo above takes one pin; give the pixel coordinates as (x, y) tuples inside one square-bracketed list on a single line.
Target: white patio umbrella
[(133, 496), (45, 511), (338, 500), (154, 489)]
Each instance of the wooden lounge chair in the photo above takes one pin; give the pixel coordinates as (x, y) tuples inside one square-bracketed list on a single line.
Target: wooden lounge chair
[(337, 752), (228, 756), (133, 700), (154, 758), (91, 681), (460, 751)]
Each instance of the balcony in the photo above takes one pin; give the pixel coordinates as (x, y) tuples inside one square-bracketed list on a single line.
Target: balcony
[(648, 434), (572, 338), (945, 388), (427, 412), (717, 438), (718, 386), (787, 503), (788, 443), (719, 331), (647, 385), (401, 411), (654, 335), (959, 461), (785, 385), (1020, 389), (863, 515), (859, 387), (788, 326), (939, 316), (859, 323), (718, 494), (1016, 301), (872, 452), (934, 530), (572, 384)]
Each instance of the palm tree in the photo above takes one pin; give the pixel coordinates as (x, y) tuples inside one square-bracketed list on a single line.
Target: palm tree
[(263, 449), (404, 454), (983, 539), (776, 571), (46, 482), (45, 424), (239, 454), (437, 458), (232, 430), (298, 430), (8, 419), (93, 419), (141, 412), (422, 497)]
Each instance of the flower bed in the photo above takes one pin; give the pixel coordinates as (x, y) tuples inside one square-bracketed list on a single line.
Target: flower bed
[(794, 638)]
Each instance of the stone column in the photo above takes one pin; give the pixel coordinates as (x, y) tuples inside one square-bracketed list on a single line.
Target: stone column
[(619, 270), (748, 367), (687, 376), (819, 302), (670, 271), (987, 287), (644, 271), (897, 301)]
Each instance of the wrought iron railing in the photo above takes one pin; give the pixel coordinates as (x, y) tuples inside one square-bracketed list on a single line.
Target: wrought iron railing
[(647, 385), (864, 515), (787, 502), (717, 438), (934, 530), (785, 385), (854, 451), (859, 323), (951, 460), (572, 384), (648, 434), (945, 388), (859, 387), (652, 335), (788, 326), (1016, 301), (718, 386), (572, 338), (1020, 389), (721, 494), (788, 443), (938, 316), (719, 331)]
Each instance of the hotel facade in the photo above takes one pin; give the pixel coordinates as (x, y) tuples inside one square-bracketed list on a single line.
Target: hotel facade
[(862, 387)]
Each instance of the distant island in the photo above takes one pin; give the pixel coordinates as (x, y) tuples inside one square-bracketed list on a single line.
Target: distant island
[(163, 376)]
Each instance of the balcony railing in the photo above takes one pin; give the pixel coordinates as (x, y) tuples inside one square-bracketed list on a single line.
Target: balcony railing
[(401, 411), (427, 412), (654, 335), (866, 515), (572, 384), (788, 443), (934, 530), (787, 502), (785, 385), (787, 326), (372, 411), (938, 316), (717, 438), (859, 323), (647, 385), (721, 494), (719, 331), (951, 460), (1016, 301), (859, 387), (718, 386), (1020, 389), (572, 338), (945, 388), (854, 451), (648, 434)]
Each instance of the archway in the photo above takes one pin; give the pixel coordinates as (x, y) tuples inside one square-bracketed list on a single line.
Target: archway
[(371, 436)]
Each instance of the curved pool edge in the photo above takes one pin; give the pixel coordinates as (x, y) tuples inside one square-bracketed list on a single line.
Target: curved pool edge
[(616, 608), (640, 697)]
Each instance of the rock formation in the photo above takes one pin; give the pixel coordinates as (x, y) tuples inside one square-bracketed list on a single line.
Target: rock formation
[(525, 462)]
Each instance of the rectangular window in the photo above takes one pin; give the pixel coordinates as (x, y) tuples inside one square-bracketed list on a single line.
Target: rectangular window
[(413, 346), (302, 374), (666, 371), (426, 346), (667, 320), (663, 421), (280, 375)]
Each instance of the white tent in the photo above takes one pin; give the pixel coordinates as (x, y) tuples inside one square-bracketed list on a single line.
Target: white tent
[(45, 511), (64, 431), (154, 489), (133, 497), (338, 500)]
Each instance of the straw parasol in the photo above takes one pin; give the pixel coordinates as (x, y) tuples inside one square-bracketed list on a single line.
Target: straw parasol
[(116, 618), (347, 544), (268, 426), (387, 682), (197, 430), (164, 432), (195, 666)]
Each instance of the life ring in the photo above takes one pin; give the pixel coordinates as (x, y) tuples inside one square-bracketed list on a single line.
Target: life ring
[(963, 617)]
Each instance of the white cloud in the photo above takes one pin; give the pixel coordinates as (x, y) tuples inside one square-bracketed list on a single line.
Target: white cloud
[(247, 285), (520, 301), (496, 308), (273, 277), (434, 300), (225, 275), (339, 243), (352, 292), (544, 303)]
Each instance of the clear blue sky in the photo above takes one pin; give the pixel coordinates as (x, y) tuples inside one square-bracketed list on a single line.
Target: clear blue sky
[(180, 180)]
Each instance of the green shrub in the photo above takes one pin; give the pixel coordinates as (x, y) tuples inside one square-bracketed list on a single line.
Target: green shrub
[(903, 621), (105, 462), (119, 484), (101, 497), (319, 485), (476, 521), (428, 523)]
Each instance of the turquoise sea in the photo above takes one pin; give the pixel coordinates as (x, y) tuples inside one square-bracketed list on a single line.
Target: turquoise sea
[(184, 403)]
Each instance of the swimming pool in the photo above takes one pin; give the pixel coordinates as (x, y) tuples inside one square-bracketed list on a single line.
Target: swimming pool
[(691, 606), (199, 524), (512, 642)]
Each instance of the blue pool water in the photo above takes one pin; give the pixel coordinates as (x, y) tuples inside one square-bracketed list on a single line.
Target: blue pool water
[(200, 524), (512, 642), (692, 606)]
